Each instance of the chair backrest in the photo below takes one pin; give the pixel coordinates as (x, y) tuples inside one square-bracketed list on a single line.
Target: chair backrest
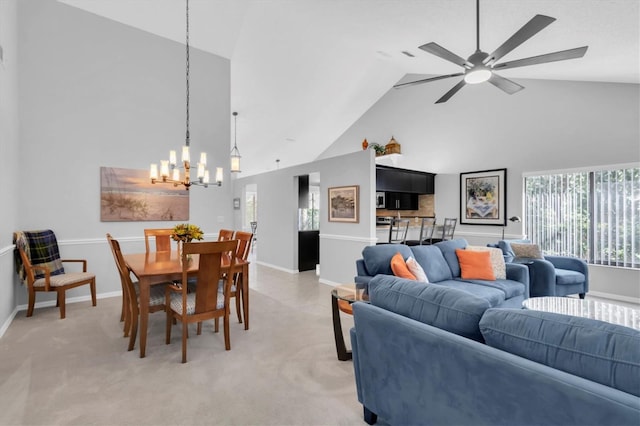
[(426, 229), (449, 228), (37, 250), (162, 237), (398, 231), (244, 244), (211, 254), (225, 235), (125, 274)]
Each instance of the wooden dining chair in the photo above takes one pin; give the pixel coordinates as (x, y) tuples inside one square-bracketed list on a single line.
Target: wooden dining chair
[(242, 252), (162, 237), (225, 235), (210, 300), (130, 292), (41, 268)]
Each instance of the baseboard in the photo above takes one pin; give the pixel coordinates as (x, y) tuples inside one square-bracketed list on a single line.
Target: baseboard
[(612, 296), (328, 282), (279, 268), (8, 322)]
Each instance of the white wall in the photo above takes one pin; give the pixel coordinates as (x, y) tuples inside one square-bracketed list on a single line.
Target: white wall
[(92, 93), (340, 243), (9, 137)]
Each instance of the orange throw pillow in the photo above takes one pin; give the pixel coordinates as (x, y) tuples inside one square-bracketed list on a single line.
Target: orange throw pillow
[(400, 268), (475, 265)]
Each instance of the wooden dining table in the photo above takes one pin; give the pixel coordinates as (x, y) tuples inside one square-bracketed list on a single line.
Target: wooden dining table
[(163, 266)]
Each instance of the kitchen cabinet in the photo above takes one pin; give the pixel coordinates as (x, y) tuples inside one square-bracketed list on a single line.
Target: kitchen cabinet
[(392, 179), (401, 201)]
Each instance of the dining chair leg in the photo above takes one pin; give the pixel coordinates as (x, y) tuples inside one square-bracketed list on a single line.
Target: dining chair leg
[(238, 309), (133, 332), (199, 332), (92, 285), (184, 341), (169, 324), (227, 341), (216, 327)]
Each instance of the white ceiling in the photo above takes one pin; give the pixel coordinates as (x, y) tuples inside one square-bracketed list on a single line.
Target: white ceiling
[(303, 71)]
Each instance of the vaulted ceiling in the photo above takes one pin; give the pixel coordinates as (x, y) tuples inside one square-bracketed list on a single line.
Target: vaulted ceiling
[(303, 71)]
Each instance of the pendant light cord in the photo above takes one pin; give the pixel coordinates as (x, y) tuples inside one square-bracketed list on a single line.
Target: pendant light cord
[(187, 75)]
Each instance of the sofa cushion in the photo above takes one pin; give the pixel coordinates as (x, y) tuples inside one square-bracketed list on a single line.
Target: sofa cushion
[(448, 249), (510, 288), (447, 308), (475, 265), (495, 296), (604, 353), (377, 259), (567, 277), (433, 263), (497, 260), (400, 268)]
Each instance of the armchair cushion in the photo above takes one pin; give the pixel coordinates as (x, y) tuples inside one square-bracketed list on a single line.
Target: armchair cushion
[(566, 277), (64, 279)]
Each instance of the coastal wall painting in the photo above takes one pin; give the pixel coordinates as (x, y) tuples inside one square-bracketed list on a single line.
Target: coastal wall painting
[(483, 197), (343, 204), (127, 195)]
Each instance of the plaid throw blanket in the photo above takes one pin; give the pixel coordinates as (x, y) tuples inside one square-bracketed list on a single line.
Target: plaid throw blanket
[(41, 247)]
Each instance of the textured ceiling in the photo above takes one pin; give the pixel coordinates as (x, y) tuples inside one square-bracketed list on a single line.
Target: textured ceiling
[(303, 71)]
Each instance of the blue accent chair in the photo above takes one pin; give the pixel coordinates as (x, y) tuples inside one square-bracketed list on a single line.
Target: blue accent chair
[(553, 275)]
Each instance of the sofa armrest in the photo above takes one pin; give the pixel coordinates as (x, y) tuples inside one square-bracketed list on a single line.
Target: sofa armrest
[(518, 272), (361, 269), (542, 278)]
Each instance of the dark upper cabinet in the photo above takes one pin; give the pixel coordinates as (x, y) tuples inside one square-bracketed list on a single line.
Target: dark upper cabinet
[(401, 201), (391, 179)]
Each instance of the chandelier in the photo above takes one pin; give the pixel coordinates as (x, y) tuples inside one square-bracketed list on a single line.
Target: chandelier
[(169, 169)]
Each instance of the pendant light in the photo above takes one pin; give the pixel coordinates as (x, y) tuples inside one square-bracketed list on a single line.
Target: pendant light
[(235, 154)]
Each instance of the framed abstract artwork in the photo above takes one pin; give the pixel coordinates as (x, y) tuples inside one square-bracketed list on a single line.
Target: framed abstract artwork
[(483, 197), (343, 204)]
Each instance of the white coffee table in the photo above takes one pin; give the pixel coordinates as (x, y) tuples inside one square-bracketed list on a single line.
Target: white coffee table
[(586, 308)]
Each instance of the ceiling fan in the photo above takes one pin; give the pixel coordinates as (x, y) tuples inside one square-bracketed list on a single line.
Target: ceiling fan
[(481, 66)]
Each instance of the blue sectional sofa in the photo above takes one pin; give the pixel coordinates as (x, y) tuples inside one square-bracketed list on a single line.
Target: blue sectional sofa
[(441, 266), (438, 355)]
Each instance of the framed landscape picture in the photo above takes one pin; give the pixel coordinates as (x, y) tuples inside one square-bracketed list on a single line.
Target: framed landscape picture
[(343, 204), (483, 197), (127, 195)]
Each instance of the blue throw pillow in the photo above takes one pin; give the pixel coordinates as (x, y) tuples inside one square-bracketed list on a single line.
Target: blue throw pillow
[(604, 353)]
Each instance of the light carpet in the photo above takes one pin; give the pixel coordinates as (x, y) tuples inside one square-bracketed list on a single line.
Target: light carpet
[(283, 371)]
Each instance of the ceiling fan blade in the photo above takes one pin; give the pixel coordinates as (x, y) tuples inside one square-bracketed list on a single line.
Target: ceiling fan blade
[(531, 28), (505, 84), (562, 55), (436, 49), (451, 92), (426, 80)]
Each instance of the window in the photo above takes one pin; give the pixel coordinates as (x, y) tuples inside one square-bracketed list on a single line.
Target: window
[(593, 214)]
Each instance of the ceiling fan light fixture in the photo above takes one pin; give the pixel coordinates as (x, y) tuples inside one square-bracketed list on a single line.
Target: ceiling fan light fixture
[(477, 75)]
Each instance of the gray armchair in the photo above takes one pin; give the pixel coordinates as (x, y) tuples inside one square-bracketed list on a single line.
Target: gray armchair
[(553, 275)]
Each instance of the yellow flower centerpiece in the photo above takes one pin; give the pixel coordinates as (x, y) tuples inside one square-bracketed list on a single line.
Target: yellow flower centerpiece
[(186, 232)]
